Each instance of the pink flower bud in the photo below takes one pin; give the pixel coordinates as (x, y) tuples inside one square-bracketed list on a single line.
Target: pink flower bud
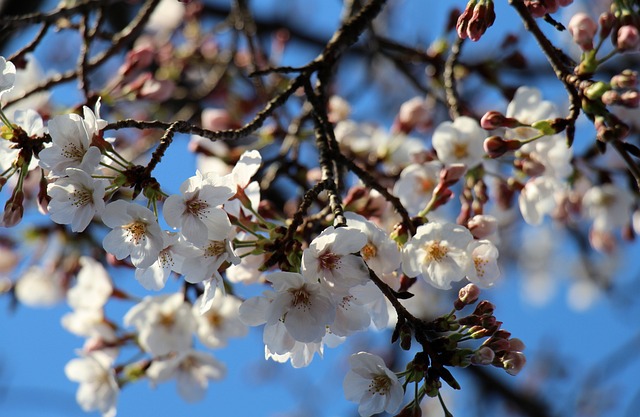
[(157, 90), (606, 21), (610, 97), (495, 146), (414, 113), (469, 294), (476, 18), (217, 119), (630, 99), (516, 345), (482, 226), (14, 209), (483, 356), (583, 29), (139, 58), (451, 174), (513, 362), (536, 8), (492, 120), (626, 79), (564, 3), (628, 38)]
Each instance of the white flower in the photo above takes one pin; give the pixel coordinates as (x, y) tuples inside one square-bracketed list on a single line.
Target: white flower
[(135, 232), (439, 252), (379, 309), (31, 122), (93, 286), (169, 259), (7, 75), (351, 316), (485, 261), (247, 166), (380, 253), (70, 146), (25, 79), (195, 211), (460, 142), (98, 386), (370, 383), (92, 121), (76, 198), (552, 152), (248, 270), (538, 197), (609, 206), (39, 288), (164, 323), (192, 370), (415, 186), (220, 322), (300, 355), (329, 256), (303, 306)]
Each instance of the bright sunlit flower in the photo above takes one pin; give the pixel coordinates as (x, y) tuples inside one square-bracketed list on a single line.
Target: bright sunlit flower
[(7, 75), (439, 252), (538, 198), (220, 322), (329, 257), (93, 286), (135, 232), (380, 253), (485, 261), (195, 211), (609, 206), (416, 185), (70, 146), (169, 260), (459, 142), (76, 198), (371, 384)]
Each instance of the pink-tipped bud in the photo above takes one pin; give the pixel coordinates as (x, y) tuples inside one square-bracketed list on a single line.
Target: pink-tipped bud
[(492, 120), (157, 90), (536, 8), (217, 119), (583, 29), (626, 79), (14, 209), (495, 146), (452, 173), (628, 39), (476, 18), (484, 308), (606, 22), (516, 345), (414, 113), (610, 97), (482, 226), (137, 59), (630, 99), (483, 356), (513, 362), (469, 294), (564, 3)]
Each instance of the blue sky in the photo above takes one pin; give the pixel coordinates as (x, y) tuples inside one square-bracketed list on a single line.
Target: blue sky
[(34, 347)]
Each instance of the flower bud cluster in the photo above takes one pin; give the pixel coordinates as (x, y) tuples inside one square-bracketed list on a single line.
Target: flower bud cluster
[(476, 18)]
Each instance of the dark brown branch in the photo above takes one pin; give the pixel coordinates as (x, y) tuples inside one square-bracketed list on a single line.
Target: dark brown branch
[(32, 18), (451, 92)]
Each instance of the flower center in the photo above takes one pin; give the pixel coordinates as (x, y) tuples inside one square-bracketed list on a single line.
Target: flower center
[(136, 231), (215, 320), (73, 151), (380, 384), (300, 298), (197, 207), (460, 150), (329, 261), (480, 264), (369, 251), (165, 259), (435, 251), (426, 185), (215, 248), (81, 197), (166, 320)]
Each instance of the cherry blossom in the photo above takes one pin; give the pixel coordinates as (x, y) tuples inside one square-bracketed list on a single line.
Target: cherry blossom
[(39, 287), (169, 260), (370, 383), (31, 122), (89, 323), (70, 146), (303, 306), (416, 185), (93, 286), (191, 369), (538, 198), (220, 322), (76, 198), (438, 251), (459, 142), (329, 257), (485, 259), (164, 323), (7, 75), (135, 232), (380, 253), (98, 386), (195, 210)]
